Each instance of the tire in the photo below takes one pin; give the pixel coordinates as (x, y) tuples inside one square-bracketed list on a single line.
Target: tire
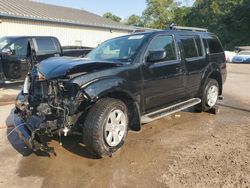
[(103, 131), (207, 104), (14, 71)]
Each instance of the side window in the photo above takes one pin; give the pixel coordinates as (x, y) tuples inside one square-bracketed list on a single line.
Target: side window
[(46, 46), (198, 45), (164, 42), (19, 47), (214, 45), (192, 46)]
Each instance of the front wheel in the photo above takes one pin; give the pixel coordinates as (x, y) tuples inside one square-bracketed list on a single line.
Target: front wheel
[(105, 127), (210, 96)]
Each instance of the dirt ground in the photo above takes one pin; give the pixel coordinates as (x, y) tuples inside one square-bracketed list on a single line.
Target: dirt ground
[(190, 150)]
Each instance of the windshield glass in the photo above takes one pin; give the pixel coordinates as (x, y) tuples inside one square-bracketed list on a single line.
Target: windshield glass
[(3, 42), (244, 53), (122, 49)]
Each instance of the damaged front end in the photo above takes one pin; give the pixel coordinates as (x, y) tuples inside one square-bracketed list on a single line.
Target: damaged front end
[(48, 107)]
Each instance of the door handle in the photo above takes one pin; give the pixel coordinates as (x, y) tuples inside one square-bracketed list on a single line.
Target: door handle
[(180, 69)]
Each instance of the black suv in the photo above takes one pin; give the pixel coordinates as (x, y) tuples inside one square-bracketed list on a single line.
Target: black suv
[(123, 83)]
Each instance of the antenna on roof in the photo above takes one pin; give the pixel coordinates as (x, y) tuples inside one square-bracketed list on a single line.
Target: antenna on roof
[(173, 26)]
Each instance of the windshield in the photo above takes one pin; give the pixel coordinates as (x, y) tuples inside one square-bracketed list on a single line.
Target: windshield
[(3, 42), (244, 53), (121, 49)]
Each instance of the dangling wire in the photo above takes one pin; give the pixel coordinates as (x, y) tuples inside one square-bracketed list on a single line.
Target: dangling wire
[(14, 129)]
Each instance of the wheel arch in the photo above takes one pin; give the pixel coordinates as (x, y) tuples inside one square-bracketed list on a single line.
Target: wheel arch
[(217, 76), (120, 89), (133, 108), (212, 72)]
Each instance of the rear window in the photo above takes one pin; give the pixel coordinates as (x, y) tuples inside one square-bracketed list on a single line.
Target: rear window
[(192, 46), (46, 46), (214, 45)]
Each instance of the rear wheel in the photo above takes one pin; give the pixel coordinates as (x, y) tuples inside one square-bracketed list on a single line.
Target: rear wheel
[(105, 127), (210, 96)]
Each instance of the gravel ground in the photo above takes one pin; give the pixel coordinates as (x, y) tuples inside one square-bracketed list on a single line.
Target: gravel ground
[(187, 149)]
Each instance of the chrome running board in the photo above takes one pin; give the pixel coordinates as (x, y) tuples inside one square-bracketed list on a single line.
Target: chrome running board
[(169, 110)]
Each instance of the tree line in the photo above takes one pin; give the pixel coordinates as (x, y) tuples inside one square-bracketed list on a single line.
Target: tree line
[(229, 19)]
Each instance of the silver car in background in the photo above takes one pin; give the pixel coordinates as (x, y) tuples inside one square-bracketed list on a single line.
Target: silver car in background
[(242, 57)]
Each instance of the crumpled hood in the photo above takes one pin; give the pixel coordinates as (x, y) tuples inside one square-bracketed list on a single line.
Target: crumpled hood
[(62, 66)]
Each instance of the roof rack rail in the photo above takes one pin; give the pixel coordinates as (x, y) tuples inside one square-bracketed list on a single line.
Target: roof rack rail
[(144, 29), (175, 27)]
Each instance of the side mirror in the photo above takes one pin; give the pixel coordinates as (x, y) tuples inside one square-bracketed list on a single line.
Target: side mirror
[(8, 51), (155, 56)]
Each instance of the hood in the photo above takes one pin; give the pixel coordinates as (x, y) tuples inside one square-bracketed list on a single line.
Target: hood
[(63, 66)]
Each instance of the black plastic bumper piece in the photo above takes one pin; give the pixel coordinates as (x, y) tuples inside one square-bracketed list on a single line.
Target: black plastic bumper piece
[(30, 133), (23, 132)]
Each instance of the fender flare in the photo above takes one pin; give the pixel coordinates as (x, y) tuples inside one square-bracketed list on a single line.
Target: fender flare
[(118, 88), (210, 70)]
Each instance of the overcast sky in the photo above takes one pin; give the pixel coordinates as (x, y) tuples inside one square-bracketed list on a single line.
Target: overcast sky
[(122, 8)]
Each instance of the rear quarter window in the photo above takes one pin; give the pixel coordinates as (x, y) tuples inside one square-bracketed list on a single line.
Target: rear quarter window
[(214, 45)]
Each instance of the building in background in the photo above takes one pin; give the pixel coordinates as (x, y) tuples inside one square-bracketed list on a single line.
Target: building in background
[(70, 26)]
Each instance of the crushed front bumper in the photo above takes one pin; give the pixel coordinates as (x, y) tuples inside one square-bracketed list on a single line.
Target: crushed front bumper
[(30, 128), (30, 132), (22, 130)]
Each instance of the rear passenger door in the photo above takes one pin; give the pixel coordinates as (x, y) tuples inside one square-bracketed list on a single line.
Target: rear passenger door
[(195, 61), (163, 80), (46, 47)]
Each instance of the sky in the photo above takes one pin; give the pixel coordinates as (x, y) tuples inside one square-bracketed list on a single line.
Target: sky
[(121, 8)]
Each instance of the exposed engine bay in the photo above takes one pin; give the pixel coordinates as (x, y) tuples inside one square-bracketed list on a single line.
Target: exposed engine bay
[(49, 107)]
